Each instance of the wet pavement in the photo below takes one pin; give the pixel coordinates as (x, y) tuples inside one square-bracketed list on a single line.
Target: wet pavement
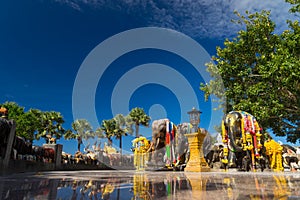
[(130, 184)]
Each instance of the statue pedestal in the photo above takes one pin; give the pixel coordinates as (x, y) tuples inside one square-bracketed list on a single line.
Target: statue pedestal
[(57, 152), (197, 161)]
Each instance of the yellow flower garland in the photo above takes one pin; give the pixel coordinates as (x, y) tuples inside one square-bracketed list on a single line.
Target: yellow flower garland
[(274, 151), (140, 152)]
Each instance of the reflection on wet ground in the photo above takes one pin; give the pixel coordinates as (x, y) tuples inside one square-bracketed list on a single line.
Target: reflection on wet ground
[(150, 185)]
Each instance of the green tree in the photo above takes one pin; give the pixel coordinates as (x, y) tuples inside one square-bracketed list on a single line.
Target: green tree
[(16, 113), (295, 6), (26, 122), (82, 130), (14, 110), (50, 125), (259, 72), (28, 126), (139, 117)]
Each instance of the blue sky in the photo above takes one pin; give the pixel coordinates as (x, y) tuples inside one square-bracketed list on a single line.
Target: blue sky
[(44, 45)]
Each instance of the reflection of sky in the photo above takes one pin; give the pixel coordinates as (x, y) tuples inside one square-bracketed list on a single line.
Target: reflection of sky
[(43, 44), (66, 192)]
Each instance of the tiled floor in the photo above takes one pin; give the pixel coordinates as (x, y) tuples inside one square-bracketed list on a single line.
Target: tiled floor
[(126, 184)]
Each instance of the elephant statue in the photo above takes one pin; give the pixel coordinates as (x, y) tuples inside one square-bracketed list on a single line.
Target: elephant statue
[(169, 143), (243, 141), (207, 143), (163, 139), (159, 133), (182, 145)]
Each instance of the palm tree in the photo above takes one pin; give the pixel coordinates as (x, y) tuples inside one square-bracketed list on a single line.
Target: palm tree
[(139, 117), (123, 127), (82, 130), (50, 125), (99, 134), (69, 134), (108, 128)]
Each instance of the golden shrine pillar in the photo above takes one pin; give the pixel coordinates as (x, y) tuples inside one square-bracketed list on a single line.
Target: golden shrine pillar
[(197, 161)]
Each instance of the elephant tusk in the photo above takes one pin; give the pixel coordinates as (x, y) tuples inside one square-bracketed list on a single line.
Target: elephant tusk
[(157, 142)]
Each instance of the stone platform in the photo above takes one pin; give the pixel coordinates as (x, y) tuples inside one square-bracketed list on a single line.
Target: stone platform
[(130, 184)]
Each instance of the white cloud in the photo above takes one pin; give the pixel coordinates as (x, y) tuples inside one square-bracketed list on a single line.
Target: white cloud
[(70, 3), (201, 18)]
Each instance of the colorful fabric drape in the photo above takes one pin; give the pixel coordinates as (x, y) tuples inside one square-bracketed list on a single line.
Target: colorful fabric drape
[(170, 141)]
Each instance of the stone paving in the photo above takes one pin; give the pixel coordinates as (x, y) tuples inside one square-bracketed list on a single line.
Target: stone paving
[(131, 184)]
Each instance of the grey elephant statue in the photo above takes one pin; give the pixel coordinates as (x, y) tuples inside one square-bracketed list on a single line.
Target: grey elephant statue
[(170, 146), (186, 128), (163, 139), (182, 145)]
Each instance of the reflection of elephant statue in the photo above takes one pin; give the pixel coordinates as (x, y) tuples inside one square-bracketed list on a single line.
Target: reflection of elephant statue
[(170, 187), (167, 186), (241, 135)]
